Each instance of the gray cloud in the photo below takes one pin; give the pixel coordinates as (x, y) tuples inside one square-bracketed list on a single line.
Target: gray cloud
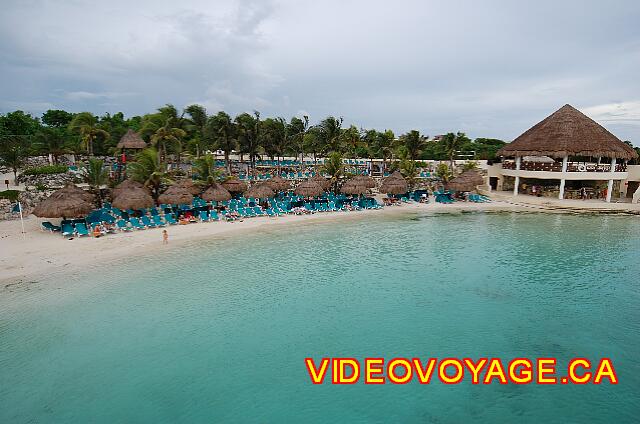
[(490, 68)]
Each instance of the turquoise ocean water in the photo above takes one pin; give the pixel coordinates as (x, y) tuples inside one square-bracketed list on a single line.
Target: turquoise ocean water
[(217, 331)]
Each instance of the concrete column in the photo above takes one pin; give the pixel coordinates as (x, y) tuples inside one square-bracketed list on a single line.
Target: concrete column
[(610, 184), (562, 180), (517, 180)]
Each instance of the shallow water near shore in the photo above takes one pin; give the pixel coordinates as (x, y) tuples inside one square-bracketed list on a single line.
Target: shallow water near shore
[(217, 331)]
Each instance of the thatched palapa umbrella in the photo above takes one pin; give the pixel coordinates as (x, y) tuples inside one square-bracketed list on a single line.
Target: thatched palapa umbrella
[(467, 181), (364, 180), (126, 185), (73, 190), (279, 184), (133, 198), (189, 185), (131, 140), (352, 187), (321, 181), (216, 193), (62, 204), (309, 189), (176, 195), (394, 185), (260, 191), (234, 185)]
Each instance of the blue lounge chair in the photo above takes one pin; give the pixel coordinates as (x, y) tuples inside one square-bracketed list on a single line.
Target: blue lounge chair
[(158, 221), (46, 225), (81, 229), (171, 219), (258, 211), (67, 229), (204, 216), (122, 225), (215, 216), (147, 222), (135, 222)]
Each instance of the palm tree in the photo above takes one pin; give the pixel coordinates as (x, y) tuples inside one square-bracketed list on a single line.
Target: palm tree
[(52, 141), (312, 142), (352, 139), (333, 166), (452, 143), (249, 135), (95, 174), (330, 130), (409, 171), (414, 143), (167, 136), (197, 124), (296, 131), (275, 139), (384, 143), (443, 172), (85, 124), (149, 170), (205, 170), (223, 132)]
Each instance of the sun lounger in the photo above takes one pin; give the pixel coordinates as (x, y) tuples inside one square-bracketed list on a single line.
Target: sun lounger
[(204, 216), (258, 211), (158, 221), (81, 229), (171, 219), (135, 222), (122, 225), (68, 230), (46, 225), (215, 216), (147, 222)]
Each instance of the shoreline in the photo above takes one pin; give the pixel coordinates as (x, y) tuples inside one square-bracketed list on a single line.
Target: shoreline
[(40, 253)]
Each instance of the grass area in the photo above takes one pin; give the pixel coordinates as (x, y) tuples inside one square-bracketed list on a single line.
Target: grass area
[(10, 194), (46, 169)]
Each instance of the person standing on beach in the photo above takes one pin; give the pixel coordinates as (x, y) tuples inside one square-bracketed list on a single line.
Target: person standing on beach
[(165, 237)]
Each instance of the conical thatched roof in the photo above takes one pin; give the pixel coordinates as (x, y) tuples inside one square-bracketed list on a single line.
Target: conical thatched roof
[(309, 189), (133, 198), (568, 131), (216, 193), (260, 191), (321, 181), (467, 181), (73, 190), (131, 140), (63, 204), (176, 195), (394, 185), (279, 184), (352, 187), (126, 185), (396, 174), (189, 185), (364, 180), (234, 185)]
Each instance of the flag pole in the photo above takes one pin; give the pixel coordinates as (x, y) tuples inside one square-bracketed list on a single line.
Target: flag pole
[(22, 220)]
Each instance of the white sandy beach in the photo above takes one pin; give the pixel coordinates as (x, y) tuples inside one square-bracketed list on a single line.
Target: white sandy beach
[(36, 253)]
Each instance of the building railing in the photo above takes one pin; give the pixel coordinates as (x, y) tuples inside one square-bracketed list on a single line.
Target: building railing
[(557, 166)]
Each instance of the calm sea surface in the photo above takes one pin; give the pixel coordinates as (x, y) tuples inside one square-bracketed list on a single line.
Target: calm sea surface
[(218, 331)]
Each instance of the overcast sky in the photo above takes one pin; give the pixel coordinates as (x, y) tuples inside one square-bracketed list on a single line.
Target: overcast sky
[(489, 68)]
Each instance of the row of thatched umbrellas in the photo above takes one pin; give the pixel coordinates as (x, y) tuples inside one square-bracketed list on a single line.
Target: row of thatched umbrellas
[(72, 201)]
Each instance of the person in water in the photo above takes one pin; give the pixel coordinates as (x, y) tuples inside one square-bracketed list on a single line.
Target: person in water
[(165, 237)]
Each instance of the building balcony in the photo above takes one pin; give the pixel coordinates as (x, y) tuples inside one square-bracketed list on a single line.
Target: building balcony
[(571, 167)]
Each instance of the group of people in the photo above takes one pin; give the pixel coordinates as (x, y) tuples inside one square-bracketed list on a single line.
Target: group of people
[(102, 229)]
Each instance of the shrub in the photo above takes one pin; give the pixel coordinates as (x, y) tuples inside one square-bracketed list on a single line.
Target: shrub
[(10, 194), (46, 170)]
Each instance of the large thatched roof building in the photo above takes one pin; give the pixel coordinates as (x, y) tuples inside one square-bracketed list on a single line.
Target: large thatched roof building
[(131, 140), (568, 132), (566, 150)]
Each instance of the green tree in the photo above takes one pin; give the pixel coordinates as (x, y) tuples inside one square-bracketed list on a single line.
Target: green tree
[(205, 170), (149, 170), (165, 138), (85, 124), (313, 142), (352, 140), (223, 132), (452, 143), (443, 172), (56, 118), (275, 139), (409, 170), (296, 131), (329, 130), (13, 151), (95, 174), (197, 127), (334, 167), (52, 141), (249, 136), (414, 142)]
